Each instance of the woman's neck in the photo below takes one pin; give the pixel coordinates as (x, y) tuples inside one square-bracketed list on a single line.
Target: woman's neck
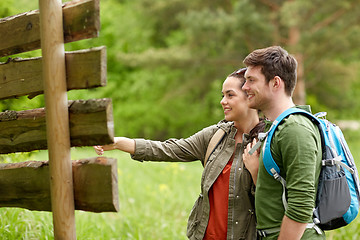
[(247, 124)]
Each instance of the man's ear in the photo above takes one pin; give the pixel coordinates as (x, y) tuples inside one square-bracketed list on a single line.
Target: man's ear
[(276, 82)]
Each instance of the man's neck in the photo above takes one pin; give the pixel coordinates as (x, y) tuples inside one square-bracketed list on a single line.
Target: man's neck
[(278, 107)]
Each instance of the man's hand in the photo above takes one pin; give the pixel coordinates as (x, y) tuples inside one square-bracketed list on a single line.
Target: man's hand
[(251, 161)]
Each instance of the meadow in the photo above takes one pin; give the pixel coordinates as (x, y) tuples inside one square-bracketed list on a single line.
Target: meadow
[(155, 200)]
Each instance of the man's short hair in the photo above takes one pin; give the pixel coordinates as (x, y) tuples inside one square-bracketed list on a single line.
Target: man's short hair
[(275, 61)]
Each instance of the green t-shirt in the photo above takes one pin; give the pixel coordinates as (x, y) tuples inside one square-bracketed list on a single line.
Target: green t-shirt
[(296, 148)]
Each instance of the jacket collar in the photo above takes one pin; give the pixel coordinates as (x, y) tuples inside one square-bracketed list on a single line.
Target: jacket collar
[(229, 128), (226, 126)]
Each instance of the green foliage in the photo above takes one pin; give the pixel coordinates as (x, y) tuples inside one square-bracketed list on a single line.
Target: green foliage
[(5, 8), (165, 57), (16, 157), (205, 42)]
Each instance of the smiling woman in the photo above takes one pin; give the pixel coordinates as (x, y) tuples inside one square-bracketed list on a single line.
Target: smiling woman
[(225, 207), (234, 101)]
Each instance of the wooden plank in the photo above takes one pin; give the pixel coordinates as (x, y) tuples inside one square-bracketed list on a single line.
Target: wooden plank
[(26, 185), (84, 69), (95, 185), (21, 33), (90, 122)]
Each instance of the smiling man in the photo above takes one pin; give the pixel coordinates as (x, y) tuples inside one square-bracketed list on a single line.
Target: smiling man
[(296, 148)]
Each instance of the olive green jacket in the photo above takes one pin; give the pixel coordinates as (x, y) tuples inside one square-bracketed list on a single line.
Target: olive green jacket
[(241, 213)]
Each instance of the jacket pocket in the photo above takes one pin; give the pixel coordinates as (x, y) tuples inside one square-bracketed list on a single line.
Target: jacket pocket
[(248, 229), (193, 220)]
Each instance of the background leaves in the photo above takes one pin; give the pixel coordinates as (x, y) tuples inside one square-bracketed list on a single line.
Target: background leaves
[(167, 59)]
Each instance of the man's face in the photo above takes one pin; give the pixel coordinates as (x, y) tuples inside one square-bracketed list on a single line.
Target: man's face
[(256, 88)]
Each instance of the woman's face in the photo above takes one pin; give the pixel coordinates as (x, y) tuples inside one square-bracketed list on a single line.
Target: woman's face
[(234, 100)]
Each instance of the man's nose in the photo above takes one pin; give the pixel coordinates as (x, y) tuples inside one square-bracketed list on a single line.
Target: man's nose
[(245, 86)]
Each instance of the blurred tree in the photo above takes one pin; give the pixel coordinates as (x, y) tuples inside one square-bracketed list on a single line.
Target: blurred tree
[(322, 36), (210, 40), (198, 43), (167, 59), (5, 8)]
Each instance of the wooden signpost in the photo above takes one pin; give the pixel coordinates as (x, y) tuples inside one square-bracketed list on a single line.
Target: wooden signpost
[(59, 185)]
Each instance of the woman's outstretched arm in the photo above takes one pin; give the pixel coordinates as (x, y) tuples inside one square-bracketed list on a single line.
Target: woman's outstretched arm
[(120, 143)]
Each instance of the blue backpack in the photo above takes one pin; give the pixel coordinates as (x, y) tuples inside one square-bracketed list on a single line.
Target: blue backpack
[(337, 200)]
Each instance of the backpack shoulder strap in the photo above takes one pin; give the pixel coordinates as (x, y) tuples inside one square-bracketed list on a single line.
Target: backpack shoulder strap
[(214, 141), (269, 162)]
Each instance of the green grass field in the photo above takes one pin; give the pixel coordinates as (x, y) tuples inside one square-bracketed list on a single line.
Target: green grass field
[(155, 200)]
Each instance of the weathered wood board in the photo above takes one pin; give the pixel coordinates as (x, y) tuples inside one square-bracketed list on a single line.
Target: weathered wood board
[(27, 185), (84, 69), (91, 123), (81, 20)]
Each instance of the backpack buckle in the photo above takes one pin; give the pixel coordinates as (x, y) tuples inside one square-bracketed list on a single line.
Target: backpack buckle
[(320, 114), (328, 162), (266, 232), (261, 233), (275, 174)]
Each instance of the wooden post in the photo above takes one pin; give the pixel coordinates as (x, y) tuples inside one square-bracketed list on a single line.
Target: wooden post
[(57, 119)]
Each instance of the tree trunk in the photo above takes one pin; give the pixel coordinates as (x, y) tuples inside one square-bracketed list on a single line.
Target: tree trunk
[(299, 95)]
